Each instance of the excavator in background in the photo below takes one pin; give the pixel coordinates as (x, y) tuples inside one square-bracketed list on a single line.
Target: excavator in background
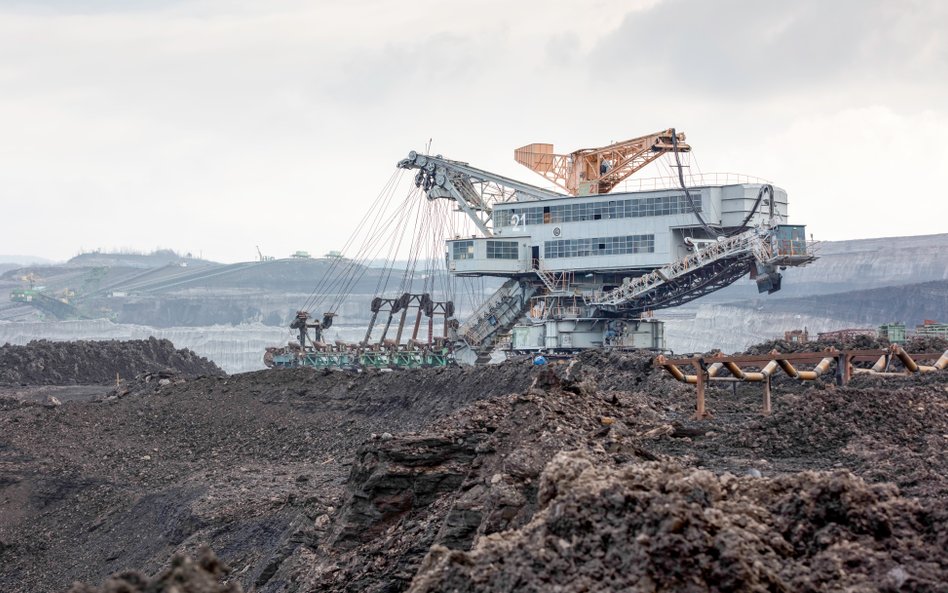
[(261, 257), (58, 305)]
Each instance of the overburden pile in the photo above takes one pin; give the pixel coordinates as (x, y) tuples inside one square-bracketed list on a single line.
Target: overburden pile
[(43, 362), (586, 475), (660, 527)]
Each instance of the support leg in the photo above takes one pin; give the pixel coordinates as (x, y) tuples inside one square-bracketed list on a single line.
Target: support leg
[(767, 408), (401, 326), (699, 410), (414, 333)]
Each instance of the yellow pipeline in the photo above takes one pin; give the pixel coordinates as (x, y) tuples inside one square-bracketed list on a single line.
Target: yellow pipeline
[(754, 376), (942, 362), (805, 375), (907, 360), (938, 366), (880, 364), (735, 370), (715, 368), (677, 373)]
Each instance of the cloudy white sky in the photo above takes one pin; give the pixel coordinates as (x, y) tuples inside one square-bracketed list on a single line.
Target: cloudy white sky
[(213, 126)]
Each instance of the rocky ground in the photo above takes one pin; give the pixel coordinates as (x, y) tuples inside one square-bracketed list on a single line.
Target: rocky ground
[(585, 475)]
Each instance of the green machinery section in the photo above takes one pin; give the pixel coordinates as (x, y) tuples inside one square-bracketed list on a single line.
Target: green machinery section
[(894, 332), (58, 308), (379, 359)]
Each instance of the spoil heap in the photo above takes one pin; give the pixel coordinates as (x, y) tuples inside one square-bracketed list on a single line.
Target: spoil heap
[(185, 575), (42, 362), (915, 344), (305, 480), (647, 527)]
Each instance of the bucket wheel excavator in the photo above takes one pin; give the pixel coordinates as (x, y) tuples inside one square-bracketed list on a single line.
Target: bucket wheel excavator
[(585, 268)]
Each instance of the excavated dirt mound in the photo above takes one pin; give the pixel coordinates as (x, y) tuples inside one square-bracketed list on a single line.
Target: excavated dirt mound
[(305, 480), (246, 463), (42, 362), (648, 527), (186, 575), (470, 474), (915, 344)]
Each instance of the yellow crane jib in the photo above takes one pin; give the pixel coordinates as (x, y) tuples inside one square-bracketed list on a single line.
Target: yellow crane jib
[(591, 171)]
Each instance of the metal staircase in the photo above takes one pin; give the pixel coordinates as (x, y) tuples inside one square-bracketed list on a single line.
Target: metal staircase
[(557, 283), (496, 316)]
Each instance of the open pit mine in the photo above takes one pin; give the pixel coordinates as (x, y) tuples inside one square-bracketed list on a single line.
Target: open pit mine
[(498, 408)]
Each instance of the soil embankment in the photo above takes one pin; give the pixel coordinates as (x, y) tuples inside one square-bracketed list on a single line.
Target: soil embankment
[(42, 362), (587, 475)]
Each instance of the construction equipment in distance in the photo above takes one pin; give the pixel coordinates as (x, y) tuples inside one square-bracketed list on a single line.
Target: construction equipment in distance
[(796, 336), (932, 328), (261, 257)]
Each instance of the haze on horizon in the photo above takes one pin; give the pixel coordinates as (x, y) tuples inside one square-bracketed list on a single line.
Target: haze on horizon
[(214, 126)]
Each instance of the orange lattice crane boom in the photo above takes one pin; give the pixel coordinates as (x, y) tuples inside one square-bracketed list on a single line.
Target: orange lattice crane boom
[(590, 171)]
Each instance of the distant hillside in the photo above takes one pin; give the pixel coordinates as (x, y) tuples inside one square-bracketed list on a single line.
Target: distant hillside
[(911, 304), (24, 260), (155, 259), (166, 289), (855, 265)]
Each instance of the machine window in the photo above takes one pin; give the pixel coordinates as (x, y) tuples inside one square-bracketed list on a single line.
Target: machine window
[(502, 250), (599, 246), (462, 250), (633, 208)]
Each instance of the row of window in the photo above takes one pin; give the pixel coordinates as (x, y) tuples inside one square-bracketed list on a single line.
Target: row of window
[(581, 211), (562, 248), (599, 246), (502, 250)]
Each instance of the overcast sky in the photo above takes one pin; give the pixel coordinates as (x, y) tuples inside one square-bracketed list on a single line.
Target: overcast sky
[(214, 126)]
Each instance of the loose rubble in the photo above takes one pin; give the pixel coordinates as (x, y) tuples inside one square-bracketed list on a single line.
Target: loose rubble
[(185, 575), (499, 478), (650, 526)]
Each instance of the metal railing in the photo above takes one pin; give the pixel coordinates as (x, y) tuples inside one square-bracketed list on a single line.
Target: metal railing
[(691, 180), (749, 241), (555, 282)]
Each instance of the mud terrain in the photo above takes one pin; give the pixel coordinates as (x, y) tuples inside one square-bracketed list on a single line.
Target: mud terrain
[(584, 475)]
